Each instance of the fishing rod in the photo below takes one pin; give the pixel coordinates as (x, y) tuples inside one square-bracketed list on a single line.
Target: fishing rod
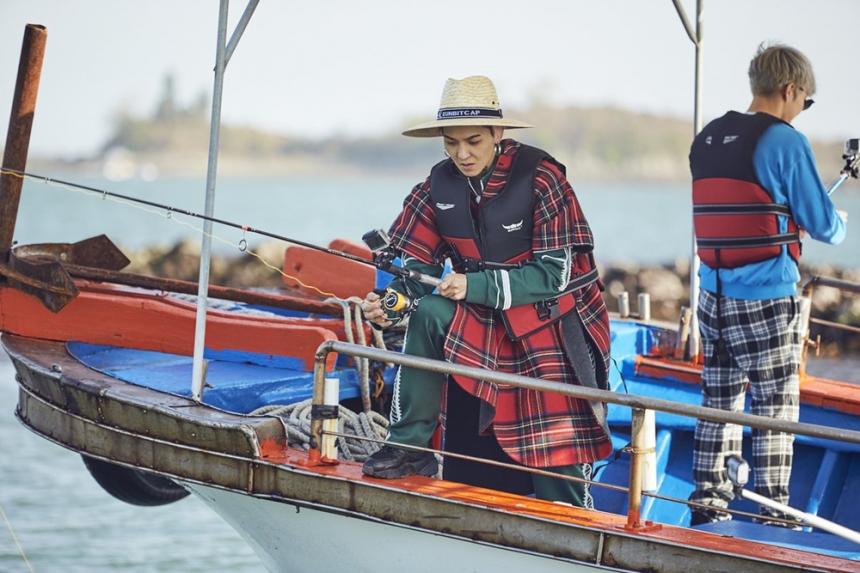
[(377, 240)]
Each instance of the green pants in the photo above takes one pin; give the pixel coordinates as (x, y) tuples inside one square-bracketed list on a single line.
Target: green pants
[(418, 396)]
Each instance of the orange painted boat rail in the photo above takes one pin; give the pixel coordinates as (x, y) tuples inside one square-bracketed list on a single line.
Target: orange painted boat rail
[(831, 394), (149, 321)]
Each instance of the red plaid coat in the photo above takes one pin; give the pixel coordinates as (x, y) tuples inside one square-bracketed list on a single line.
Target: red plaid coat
[(536, 429)]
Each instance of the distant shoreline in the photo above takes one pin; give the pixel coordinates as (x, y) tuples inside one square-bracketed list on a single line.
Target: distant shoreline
[(667, 284), (598, 144)]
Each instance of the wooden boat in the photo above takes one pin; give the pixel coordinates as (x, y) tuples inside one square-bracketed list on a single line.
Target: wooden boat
[(103, 360), (107, 376)]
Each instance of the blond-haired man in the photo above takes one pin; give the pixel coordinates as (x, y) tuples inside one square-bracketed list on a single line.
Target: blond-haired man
[(755, 190)]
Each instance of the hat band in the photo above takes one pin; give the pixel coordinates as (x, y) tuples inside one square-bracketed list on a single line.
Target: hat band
[(466, 112)]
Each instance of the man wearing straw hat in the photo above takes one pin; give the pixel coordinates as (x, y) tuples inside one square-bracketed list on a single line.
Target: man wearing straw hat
[(523, 298)]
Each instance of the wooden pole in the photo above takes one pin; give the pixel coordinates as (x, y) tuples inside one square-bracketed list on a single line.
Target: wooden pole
[(18, 135)]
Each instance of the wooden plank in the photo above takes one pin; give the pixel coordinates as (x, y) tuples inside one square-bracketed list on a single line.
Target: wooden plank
[(154, 322), (329, 273)]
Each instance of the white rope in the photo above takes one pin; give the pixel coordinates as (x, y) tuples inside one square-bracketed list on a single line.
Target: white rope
[(297, 420), (355, 318), (15, 539), (363, 363)]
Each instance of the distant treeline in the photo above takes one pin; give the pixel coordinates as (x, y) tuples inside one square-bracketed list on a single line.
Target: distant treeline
[(596, 143)]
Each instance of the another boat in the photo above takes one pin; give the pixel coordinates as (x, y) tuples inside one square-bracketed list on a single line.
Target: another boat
[(103, 359)]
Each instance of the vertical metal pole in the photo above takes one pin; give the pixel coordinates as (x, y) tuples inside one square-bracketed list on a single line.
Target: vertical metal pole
[(18, 135), (637, 442), (317, 399), (197, 372), (697, 127)]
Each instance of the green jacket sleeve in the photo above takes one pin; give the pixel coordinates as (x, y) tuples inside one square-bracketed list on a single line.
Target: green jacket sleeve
[(543, 277)]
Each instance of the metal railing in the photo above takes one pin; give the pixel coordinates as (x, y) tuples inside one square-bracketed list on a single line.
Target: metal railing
[(806, 310), (639, 404)]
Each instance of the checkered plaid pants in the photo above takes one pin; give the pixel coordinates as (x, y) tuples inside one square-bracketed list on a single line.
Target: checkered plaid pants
[(761, 346)]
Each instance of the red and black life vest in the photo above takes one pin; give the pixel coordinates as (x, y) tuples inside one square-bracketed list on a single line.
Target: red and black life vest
[(499, 234), (735, 217)]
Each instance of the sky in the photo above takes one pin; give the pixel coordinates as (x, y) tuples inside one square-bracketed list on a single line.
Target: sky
[(338, 67)]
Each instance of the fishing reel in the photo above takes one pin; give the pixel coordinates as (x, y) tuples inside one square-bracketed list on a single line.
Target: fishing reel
[(396, 305), (393, 301)]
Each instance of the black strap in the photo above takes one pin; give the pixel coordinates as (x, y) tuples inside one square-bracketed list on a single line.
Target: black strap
[(748, 242), (581, 281), (742, 209), (548, 309), (467, 112), (718, 344), (472, 265), (502, 266)]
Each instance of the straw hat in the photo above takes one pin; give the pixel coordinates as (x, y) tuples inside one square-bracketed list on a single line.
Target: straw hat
[(470, 101)]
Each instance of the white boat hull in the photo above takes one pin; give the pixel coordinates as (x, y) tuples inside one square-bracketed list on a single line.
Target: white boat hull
[(290, 538)]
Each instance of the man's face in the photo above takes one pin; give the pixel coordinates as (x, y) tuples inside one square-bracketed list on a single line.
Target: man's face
[(471, 148)]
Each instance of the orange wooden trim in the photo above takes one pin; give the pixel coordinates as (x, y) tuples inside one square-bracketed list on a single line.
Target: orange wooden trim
[(609, 522), (831, 394), (329, 273), (661, 368), (335, 324), (152, 322)]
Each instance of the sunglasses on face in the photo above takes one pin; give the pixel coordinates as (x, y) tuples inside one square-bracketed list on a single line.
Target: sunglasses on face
[(807, 102)]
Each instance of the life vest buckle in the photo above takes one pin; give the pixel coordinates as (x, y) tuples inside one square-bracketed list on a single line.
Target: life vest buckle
[(472, 265), (547, 309)]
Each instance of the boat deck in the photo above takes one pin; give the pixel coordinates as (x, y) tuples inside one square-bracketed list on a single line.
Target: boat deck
[(90, 412)]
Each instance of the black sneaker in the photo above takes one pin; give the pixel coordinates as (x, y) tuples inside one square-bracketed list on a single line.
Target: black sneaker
[(391, 462), (700, 516)]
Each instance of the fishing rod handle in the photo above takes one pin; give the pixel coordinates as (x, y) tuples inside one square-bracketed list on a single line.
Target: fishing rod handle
[(426, 279)]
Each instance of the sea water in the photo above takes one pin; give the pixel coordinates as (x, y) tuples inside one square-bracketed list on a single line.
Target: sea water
[(64, 522), (645, 223)]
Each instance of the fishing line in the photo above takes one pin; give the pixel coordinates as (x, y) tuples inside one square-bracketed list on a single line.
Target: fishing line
[(15, 539), (171, 209), (168, 213)]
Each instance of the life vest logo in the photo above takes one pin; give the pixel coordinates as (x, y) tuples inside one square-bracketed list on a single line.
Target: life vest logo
[(708, 140), (444, 206), (513, 226), (729, 138)]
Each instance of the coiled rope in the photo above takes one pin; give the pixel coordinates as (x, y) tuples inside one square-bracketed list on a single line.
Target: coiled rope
[(362, 365), (297, 420)]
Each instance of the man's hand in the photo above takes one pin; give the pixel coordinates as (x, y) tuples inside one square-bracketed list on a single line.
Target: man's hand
[(453, 286), (371, 306), (842, 215)]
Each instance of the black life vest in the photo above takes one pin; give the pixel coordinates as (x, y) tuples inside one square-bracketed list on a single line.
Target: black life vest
[(499, 236), (735, 218)]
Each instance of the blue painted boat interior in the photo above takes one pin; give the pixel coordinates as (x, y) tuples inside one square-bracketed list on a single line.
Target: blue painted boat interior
[(825, 477), (235, 381)]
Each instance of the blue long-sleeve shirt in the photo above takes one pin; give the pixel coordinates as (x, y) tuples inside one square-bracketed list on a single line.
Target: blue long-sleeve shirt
[(785, 165)]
